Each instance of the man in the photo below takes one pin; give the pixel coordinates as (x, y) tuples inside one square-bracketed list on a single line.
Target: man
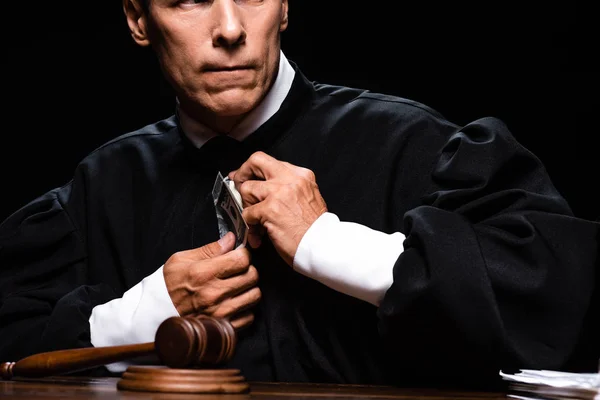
[(387, 245)]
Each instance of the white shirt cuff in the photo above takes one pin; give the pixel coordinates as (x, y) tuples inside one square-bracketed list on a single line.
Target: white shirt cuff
[(348, 257), (133, 318)]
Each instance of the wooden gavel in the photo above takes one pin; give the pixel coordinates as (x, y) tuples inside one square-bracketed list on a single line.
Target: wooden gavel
[(179, 342)]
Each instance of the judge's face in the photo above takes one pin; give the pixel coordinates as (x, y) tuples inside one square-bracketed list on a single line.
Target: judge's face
[(221, 56)]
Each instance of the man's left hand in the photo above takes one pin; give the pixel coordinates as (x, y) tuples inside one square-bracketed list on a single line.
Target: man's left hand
[(279, 198)]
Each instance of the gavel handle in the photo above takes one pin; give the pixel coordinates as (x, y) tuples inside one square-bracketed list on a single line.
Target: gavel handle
[(72, 360)]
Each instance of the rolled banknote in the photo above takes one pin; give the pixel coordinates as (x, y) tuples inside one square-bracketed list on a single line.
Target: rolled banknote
[(228, 207)]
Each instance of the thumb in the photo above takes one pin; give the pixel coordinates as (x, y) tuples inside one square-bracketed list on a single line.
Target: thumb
[(217, 248)]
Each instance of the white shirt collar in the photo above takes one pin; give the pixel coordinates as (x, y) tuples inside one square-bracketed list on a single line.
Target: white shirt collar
[(199, 133)]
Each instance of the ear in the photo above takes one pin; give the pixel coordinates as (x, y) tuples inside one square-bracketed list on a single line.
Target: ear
[(136, 20), (284, 16)]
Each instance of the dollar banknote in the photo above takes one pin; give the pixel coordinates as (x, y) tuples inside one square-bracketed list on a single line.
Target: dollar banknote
[(228, 206)]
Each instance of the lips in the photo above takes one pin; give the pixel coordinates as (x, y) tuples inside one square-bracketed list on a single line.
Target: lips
[(221, 68)]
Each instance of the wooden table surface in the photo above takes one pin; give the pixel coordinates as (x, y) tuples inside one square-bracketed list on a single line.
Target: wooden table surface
[(66, 387)]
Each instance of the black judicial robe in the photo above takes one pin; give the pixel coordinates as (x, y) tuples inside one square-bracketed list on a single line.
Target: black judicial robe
[(496, 271)]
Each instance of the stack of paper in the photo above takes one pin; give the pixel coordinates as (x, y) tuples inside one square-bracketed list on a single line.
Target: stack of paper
[(545, 384)]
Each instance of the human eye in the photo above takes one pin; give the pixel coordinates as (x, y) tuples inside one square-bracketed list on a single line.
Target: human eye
[(193, 1), (193, 4), (250, 2)]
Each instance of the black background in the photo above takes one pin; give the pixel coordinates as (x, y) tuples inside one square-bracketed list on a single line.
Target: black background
[(73, 78)]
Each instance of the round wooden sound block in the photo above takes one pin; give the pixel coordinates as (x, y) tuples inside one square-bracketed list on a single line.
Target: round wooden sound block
[(173, 380)]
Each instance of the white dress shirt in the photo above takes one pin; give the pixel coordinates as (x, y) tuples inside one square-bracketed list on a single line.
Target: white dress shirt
[(348, 257)]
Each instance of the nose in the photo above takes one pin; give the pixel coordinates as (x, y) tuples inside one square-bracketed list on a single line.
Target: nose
[(229, 29)]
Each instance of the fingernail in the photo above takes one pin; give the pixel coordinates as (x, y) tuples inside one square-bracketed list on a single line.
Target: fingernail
[(255, 243), (223, 241)]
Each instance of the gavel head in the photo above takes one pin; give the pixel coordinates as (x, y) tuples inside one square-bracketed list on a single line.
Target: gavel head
[(182, 342)]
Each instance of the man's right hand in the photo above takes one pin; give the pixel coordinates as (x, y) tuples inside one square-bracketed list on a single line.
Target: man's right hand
[(214, 280)]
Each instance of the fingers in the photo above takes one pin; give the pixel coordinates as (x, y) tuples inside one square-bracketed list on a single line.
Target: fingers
[(214, 249), (240, 283), (201, 285), (255, 215), (233, 263), (262, 166), (253, 191), (302, 172), (282, 199), (259, 166), (255, 235), (238, 304), (241, 321)]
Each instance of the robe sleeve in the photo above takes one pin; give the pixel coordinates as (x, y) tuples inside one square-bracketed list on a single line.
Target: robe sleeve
[(45, 297), (496, 273)]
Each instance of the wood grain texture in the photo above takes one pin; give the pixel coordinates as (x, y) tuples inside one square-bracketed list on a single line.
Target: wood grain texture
[(106, 388), (170, 380)]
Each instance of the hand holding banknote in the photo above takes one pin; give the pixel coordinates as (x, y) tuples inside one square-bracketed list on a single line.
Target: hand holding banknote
[(217, 279), (281, 198)]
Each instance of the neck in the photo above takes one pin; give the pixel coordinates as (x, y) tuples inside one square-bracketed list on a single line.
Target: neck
[(217, 123)]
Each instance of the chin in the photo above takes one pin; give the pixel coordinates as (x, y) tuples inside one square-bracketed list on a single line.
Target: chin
[(229, 106)]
